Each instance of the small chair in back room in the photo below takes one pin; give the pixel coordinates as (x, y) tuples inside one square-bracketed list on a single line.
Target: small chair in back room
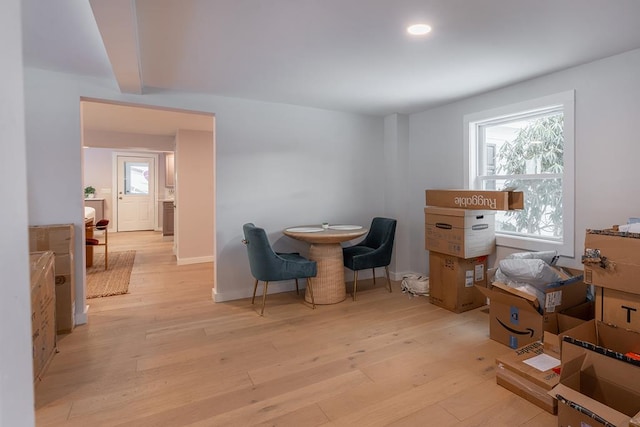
[(374, 251), (92, 240), (269, 266)]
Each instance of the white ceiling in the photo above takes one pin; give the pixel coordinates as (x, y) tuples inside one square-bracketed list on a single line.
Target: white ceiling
[(350, 55)]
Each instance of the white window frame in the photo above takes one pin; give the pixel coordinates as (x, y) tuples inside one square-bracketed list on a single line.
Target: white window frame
[(567, 101)]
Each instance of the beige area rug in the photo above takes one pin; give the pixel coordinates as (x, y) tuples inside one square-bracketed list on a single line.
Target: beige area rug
[(115, 280)]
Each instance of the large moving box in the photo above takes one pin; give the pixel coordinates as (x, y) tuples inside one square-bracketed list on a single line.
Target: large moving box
[(612, 260), (521, 371), (43, 308), (598, 390), (452, 280), (531, 371), (476, 199), (515, 318), (618, 308), (459, 232), (59, 238)]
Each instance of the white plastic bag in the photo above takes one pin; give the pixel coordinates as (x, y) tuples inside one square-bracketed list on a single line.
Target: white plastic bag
[(415, 285)]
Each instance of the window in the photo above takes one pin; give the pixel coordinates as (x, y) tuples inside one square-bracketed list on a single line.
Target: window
[(528, 147), (136, 179)]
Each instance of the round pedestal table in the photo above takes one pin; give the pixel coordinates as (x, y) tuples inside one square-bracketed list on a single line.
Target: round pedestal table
[(328, 285)]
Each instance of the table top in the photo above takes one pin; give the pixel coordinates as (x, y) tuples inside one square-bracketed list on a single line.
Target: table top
[(333, 234)]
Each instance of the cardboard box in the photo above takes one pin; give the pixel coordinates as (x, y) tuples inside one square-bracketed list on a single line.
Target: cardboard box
[(43, 328), (59, 238), (618, 308), (527, 381), (476, 199), (601, 337), (459, 232), (558, 324), (526, 389), (514, 316), (515, 372), (598, 390), (612, 260), (452, 280)]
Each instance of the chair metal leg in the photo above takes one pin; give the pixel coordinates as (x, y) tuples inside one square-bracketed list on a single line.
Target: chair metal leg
[(313, 302), (355, 284), (106, 257), (386, 270), (373, 272), (264, 297), (297, 290), (255, 286)]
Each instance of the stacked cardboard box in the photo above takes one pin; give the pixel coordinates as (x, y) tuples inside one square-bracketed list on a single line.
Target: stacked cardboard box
[(533, 370), (59, 239), (453, 280), (612, 265), (43, 302), (459, 234), (516, 318), (600, 379)]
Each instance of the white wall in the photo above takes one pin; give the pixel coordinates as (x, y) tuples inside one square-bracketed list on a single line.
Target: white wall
[(276, 165), (396, 152), (16, 376), (194, 224), (607, 94)]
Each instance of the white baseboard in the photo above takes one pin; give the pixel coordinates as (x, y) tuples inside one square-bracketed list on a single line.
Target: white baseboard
[(82, 318), (196, 260)]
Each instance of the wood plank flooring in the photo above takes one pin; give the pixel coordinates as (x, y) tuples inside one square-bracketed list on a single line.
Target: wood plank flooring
[(166, 355)]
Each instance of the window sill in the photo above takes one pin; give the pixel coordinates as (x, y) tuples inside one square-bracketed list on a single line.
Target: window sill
[(529, 244)]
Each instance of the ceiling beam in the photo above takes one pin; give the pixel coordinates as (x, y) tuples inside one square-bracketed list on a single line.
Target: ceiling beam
[(118, 26)]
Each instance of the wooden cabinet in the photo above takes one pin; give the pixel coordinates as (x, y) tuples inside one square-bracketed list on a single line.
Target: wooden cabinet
[(167, 218), (98, 205)]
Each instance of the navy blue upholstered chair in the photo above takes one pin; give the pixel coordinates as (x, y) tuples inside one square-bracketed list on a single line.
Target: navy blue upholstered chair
[(269, 266), (374, 251)]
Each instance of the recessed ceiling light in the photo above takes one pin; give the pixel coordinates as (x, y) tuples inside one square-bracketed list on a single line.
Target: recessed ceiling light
[(418, 29)]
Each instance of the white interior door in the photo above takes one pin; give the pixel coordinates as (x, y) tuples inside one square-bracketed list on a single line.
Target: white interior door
[(136, 187)]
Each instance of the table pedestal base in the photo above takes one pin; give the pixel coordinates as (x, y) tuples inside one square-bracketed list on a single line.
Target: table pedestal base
[(328, 285)]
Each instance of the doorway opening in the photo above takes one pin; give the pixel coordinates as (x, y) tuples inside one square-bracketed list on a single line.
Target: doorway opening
[(147, 144)]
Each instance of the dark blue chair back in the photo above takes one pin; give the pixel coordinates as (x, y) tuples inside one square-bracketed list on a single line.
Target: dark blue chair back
[(380, 237)]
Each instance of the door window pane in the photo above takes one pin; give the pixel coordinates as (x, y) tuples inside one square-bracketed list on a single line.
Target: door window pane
[(136, 178)]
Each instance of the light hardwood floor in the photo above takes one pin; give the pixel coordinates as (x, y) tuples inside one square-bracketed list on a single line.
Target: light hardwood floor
[(166, 355)]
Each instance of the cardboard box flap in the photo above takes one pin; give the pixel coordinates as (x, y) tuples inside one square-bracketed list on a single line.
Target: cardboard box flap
[(559, 324), (605, 339), (516, 200), (507, 298), (475, 199), (533, 300), (588, 406), (602, 350)]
